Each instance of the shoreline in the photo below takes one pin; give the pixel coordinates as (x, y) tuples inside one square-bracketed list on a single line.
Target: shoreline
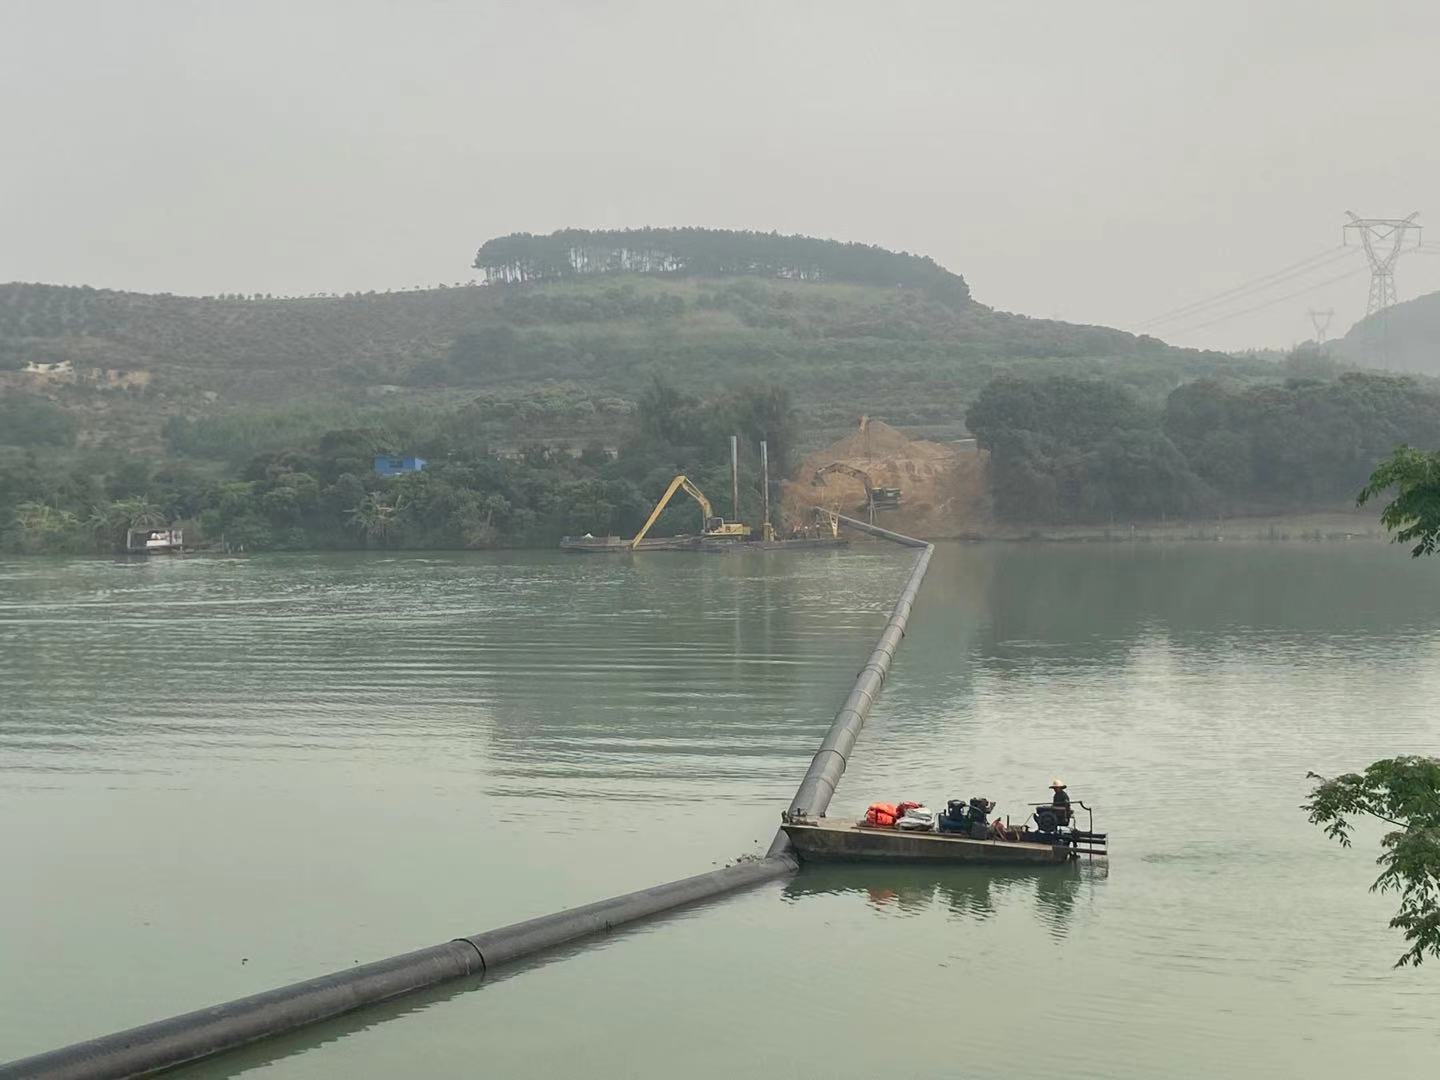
[(1318, 526), (1326, 527)]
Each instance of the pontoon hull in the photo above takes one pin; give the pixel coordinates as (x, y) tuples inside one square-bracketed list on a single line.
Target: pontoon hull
[(833, 841)]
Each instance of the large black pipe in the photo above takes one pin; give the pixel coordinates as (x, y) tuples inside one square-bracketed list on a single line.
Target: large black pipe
[(877, 531), (192, 1036), (204, 1033), (828, 764), (195, 1035)]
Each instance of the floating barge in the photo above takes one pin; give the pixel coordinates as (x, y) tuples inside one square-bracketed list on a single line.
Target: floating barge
[(155, 542), (717, 536), (617, 545), (822, 840), (800, 543)]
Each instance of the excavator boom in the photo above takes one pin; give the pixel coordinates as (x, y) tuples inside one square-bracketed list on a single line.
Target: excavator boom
[(885, 498), (706, 510), (675, 486), (710, 524), (848, 470)]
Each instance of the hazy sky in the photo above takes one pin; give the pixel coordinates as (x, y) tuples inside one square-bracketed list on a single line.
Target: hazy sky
[(1099, 162)]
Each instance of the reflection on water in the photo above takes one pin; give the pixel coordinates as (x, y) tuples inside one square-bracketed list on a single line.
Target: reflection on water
[(969, 893)]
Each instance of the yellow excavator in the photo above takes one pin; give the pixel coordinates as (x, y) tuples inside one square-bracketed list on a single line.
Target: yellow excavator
[(876, 498), (713, 527)]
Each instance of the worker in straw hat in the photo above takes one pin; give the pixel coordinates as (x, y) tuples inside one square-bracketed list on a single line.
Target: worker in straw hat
[(1061, 800)]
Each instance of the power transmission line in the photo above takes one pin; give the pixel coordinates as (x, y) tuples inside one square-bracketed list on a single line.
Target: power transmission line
[(1276, 300), (1321, 321), (1260, 283), (1257, 284), (1383, 240)]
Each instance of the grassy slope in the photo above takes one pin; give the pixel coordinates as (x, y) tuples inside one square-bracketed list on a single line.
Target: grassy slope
[(842, 350)]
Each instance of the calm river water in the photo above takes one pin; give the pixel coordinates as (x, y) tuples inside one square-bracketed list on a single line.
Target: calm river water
[(217, 776)]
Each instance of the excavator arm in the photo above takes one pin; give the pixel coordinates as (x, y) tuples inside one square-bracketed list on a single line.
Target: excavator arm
[(706, 510), (875, 498), (679, 482), (847, 470)]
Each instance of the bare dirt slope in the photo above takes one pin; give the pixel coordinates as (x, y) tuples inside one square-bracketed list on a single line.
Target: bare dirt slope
[(943, 487)]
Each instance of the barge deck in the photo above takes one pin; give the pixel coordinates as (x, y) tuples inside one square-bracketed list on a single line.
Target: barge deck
[(822, 840), (618, 545)]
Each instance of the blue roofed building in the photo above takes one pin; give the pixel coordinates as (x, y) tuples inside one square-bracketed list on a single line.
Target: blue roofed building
[(397, 464)]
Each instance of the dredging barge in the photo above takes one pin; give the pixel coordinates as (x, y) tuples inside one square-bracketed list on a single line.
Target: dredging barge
[(717, 536), (618, 545), (819, 839)]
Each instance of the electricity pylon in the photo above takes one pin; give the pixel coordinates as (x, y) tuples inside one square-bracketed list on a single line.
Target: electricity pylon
[(1383, 240), (1321, 321)]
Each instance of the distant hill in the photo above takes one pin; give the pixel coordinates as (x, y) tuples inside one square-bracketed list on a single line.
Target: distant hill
[(586, 321), (525, 257), (1405, 337)]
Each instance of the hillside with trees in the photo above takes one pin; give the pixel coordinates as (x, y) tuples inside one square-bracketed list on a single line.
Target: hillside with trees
[(254, 417), (1083, 451), (321, 491), (1404, 337), (561, 344), (525, 257)]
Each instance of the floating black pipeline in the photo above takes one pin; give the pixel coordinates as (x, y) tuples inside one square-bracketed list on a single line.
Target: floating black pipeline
[(204, 1033)]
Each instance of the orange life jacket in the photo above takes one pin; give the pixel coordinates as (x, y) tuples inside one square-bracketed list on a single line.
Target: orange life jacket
[(882, 814)]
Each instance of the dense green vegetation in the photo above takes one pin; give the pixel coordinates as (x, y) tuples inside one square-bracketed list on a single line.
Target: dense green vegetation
[(497, 418), (33, 420), (1413, 514), (524, 257), (565, 351), (1403, 792), (846, 329), (1399, 791), (1068, 449), (322, 493), (840, 349), (1065, 449)]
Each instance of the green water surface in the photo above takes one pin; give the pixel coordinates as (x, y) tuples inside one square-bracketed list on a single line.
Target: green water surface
[(218, 776)]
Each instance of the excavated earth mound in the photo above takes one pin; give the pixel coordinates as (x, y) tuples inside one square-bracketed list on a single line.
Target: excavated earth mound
[(943, 487)]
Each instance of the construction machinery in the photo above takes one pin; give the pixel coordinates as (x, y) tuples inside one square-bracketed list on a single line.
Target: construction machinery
[(713, 527), (825, 523), (876, 498)]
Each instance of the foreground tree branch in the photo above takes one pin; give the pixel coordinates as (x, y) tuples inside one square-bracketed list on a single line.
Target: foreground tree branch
[(1414, 513), (1404, 792)]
